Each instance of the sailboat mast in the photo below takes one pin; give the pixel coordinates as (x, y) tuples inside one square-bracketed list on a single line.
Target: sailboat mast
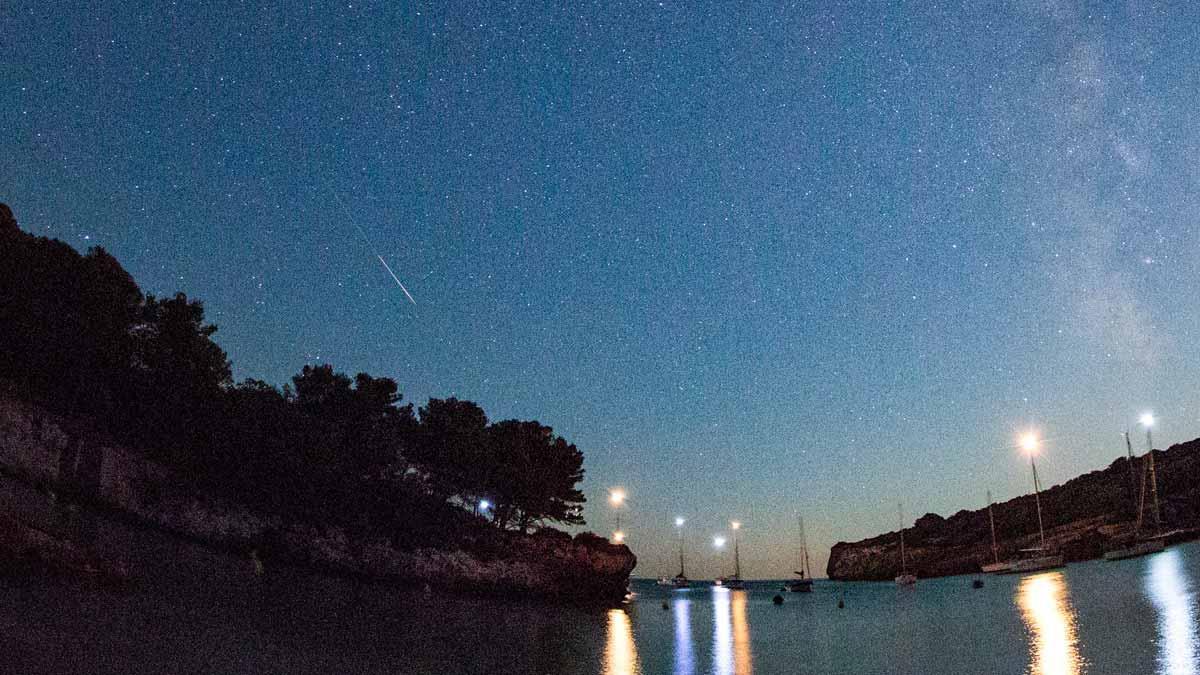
[(900, 508), (1153, 483), (1038, 498), (681, 552), (737, 563), (992, 522), (804, 551)]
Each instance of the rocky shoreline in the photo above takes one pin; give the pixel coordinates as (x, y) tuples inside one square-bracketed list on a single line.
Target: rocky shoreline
[(63, 460), (1084, 517)]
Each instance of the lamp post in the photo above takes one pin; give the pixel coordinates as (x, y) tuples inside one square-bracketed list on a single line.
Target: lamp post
[(1030, 443), (679, 527), (1147, 421), (737, 563), (616, 497)]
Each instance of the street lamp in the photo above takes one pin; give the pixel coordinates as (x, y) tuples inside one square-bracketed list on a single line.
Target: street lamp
[(679, 521), (616, 497), (1030, 443), (1147, 421), (718, 542)]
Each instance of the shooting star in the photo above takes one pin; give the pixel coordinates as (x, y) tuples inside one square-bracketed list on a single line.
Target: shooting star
[(367, 240), (398, 282)]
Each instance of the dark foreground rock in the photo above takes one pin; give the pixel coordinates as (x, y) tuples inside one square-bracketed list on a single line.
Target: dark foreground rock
[(1084, 517), (60, 456)]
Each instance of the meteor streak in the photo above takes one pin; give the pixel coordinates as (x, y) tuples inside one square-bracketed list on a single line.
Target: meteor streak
[(389, 269), (372, 249)]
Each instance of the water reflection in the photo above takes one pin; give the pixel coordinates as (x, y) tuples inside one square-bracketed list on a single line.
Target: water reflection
[(1050, 621), (731, 633), (684, 663), (1172, 595), (620, 653)]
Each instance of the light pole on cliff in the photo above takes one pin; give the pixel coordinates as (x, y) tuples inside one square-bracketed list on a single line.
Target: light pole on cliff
[(616, 497), (1148, 421), (1030, 443)]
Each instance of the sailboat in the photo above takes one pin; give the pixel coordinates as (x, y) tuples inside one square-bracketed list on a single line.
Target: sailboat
[(734, 583), (996, 566), (905, 579), (1035, 558), (1148, 545), (679, 580), (805, 583)]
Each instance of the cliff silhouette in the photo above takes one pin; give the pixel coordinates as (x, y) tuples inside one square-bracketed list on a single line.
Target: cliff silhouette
[(1083, 517)]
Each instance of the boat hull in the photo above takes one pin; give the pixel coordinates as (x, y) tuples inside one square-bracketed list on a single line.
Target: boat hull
[(799, 586), (1045, 562), (1141, 548), (996, 568)]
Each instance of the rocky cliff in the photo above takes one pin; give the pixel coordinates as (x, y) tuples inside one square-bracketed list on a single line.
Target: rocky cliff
[(68, 461), (1084, 517)]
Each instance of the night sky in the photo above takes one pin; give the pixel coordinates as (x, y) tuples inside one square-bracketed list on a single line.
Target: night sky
[(753, 262)]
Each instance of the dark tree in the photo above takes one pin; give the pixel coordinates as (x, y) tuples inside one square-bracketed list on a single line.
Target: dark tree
[(450, 446), (536, 475)]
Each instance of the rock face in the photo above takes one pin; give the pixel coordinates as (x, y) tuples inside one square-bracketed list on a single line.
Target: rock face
[(46, 451), (1084, 517)]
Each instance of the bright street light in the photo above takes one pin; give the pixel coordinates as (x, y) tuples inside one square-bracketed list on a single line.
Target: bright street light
[(719, 542), (619, 537), (484, 505), (1029, 442), (616, 496), (679, 522), (1147, 420), (736, 525)]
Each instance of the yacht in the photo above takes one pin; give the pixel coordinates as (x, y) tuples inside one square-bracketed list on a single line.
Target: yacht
[(1141, 546), (804, 582), (996, 566)]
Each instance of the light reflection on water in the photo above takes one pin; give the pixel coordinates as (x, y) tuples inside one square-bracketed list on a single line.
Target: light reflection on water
[(684, 658), (1171, 594), (1050, 622), (620, 651), (731, 633)]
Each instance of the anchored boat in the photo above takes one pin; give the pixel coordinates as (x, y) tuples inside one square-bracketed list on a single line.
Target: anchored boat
[(804, 583)]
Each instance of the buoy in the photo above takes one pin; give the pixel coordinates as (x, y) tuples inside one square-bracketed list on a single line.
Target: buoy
[(978, 583), (778, 599), (841, 603)]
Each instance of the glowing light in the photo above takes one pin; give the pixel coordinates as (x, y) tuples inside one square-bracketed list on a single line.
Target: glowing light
[(1147, 419), (719, 542), (616, 496), (679, 522), (731, 635), (619, 537), (1172, 596), (1053, 644), (684, 659), (1030, 442), (736, 525), (620, 651), (484, 505), (741, 636)]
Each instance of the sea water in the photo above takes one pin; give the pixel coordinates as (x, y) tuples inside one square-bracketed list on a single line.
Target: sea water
[(197, 611)]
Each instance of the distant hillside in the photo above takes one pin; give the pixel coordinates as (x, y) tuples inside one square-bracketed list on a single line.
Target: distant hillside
[(1083, 517)]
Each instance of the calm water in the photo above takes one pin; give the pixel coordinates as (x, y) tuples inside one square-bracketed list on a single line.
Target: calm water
[(207, 613)]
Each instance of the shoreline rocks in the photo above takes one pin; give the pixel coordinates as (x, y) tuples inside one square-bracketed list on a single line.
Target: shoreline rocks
[(49, 453)]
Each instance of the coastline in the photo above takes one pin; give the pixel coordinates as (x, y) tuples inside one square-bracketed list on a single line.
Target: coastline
[(65, 469)]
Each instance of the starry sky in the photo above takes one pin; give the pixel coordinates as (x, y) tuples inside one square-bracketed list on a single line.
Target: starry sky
[(755, 261)]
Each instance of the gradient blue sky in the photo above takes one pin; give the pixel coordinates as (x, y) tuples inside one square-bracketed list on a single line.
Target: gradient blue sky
[(752, 260)]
